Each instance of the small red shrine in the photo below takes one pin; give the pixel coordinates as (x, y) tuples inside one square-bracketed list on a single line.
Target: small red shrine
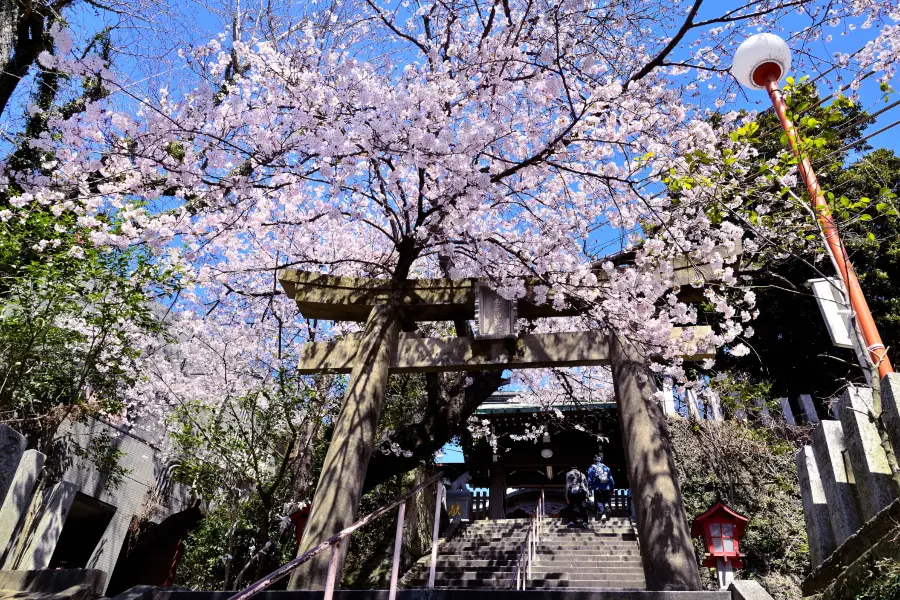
[(721, 529)]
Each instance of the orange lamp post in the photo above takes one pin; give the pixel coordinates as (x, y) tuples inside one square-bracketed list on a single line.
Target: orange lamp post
[(759, 63)]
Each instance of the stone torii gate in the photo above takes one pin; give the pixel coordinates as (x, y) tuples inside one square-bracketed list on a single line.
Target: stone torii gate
[(667, 553)]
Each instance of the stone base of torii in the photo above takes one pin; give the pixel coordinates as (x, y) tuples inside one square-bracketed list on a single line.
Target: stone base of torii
[(666, 550)]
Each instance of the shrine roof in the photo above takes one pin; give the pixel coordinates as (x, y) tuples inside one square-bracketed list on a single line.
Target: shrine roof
[(504, 403)]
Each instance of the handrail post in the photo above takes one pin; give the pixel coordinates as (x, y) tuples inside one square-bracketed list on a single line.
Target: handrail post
[(434, 533), (286, 569), (530, 549), (398, 543), (332, 570)]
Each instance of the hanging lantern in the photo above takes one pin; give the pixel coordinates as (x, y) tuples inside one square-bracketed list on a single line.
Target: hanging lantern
[(546, 450)]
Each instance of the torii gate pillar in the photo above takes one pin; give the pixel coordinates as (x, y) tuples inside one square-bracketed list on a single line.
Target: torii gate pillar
[(338, 492), (666, 549)]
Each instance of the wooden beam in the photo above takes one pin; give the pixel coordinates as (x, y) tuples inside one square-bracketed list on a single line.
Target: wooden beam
[(331, 298), (531, 351)]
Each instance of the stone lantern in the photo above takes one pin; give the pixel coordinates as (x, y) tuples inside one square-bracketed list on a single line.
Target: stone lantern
[(721, 529)]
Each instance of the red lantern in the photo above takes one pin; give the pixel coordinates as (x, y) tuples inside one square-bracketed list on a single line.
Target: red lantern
[(721, 529), (300, 517)]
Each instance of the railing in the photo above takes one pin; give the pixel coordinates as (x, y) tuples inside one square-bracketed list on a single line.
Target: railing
[(620, 502), (528, 549), (334, 542), (480, 505)]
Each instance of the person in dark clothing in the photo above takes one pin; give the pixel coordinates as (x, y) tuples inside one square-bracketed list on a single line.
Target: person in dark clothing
[(576, 494), (601, 483)]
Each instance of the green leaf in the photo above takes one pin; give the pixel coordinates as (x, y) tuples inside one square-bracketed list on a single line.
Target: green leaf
[(865, 217)]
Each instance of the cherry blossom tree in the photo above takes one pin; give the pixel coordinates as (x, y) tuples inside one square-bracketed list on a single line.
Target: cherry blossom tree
[(567, 142)]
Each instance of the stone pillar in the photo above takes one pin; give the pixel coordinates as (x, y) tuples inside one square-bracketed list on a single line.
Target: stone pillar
[(837, 479), (815, 507), (690, 398), (874, 484), (110, 546), (43, 532), (740, 413), (765, 417), (715, 406), (786, 412), (18, 497), (666, 549), (668, 404), (809, 409), (339, 489), (497, 493), (890, 408), (12, 447)]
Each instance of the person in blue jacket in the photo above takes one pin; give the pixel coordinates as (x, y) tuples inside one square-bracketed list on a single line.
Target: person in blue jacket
[(601, 483)]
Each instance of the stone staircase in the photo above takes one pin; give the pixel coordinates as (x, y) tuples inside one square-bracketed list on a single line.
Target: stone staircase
[(604, 556), (483, 554)]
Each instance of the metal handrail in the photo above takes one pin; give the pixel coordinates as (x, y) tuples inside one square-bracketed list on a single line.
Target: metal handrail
[(528, 549), (335, 543)]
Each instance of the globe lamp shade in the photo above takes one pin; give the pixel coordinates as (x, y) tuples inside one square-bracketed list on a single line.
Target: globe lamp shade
[(547, 453), (759, 58)]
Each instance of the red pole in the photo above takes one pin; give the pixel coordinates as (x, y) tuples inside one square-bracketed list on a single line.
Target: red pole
[(874, 346)]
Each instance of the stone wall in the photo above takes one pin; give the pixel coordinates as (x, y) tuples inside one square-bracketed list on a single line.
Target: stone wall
[(845, 478), (35, 505)]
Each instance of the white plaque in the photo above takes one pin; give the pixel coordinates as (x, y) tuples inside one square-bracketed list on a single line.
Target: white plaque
[(495, 316), (829, 295)]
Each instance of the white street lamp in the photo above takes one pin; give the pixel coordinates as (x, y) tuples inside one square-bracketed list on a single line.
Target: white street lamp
[(759, 63), (759, 58)]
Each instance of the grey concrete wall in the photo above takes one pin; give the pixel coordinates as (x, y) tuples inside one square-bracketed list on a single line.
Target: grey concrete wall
[(12, 447), (43, 533), (33, 524), (15, 503), (815, 507), (143, 490), (890, 405), (874, 484), (747, 589), (110, 545), (145, 472), (837, 479)]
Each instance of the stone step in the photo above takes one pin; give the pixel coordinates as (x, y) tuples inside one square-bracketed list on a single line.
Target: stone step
[(487, 539), (461, 549), (589, 554), (575, 574), (445, 579), (493, 591), (595, 530), (473, 573), (475, 562), (574, 546), (550, 559), (586, 584), (576, 530), (474, 583), (553, 562)]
